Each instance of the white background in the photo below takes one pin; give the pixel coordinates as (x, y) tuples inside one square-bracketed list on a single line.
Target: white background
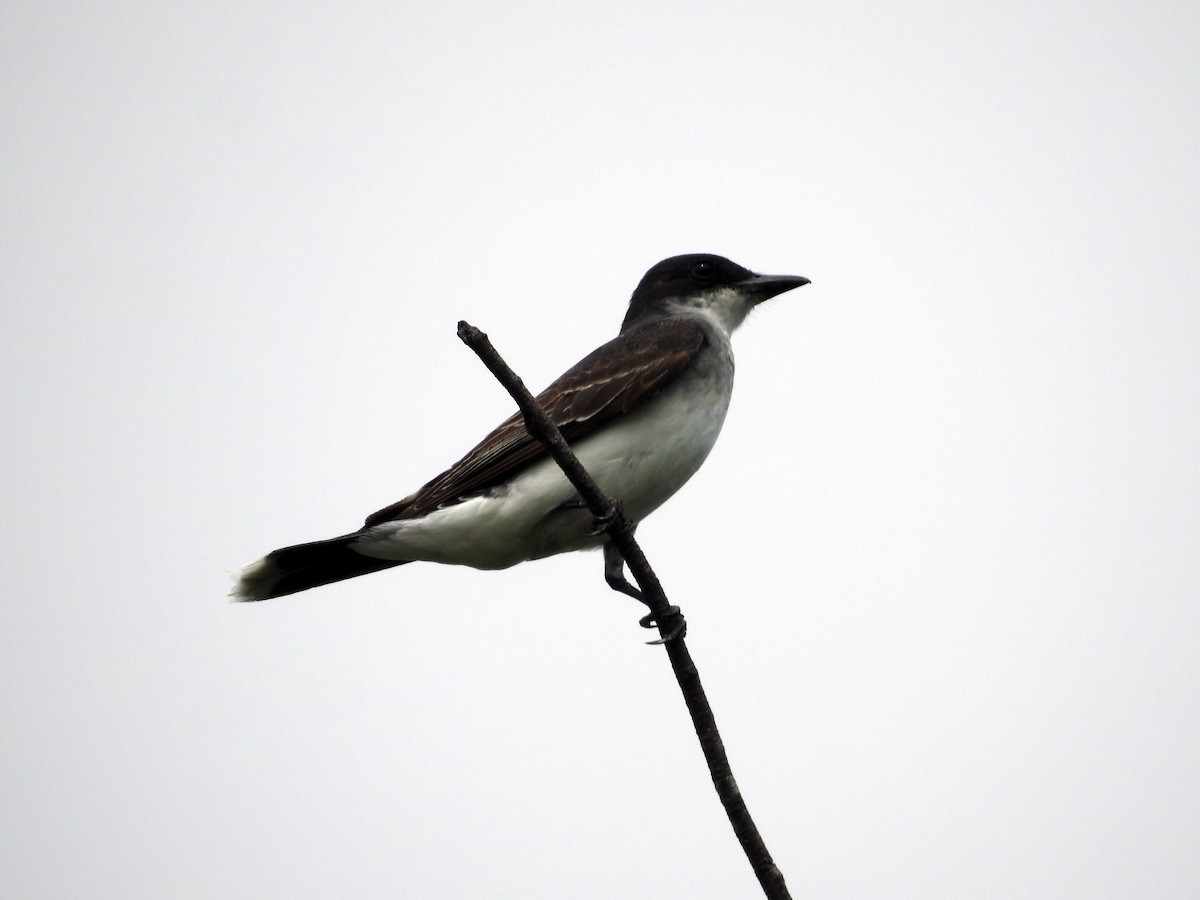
[(940, 572)]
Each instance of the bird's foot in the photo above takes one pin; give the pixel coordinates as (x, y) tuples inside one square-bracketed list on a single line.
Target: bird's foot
[(670, 621), (612, 520), (670, 618)]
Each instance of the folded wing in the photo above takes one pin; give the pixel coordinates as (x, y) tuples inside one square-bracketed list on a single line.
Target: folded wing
[(611, 380)]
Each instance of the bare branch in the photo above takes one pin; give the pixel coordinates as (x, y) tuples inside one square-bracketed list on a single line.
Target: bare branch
[(608, 511)]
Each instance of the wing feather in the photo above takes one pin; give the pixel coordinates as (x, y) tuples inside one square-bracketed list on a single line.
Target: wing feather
[(611, 380)]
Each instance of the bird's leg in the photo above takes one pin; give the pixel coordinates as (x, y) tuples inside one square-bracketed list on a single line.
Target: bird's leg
[(614, 520), (614, 574)]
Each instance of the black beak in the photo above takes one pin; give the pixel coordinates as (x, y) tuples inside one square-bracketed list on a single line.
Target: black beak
[(764, 287)]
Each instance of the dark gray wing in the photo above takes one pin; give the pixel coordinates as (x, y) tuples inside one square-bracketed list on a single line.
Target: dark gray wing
[(609, 381)]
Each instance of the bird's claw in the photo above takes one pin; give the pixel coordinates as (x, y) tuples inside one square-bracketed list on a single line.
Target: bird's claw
[(670, 619)]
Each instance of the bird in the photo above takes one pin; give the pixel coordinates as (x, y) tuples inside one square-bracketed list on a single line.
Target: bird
[(641, 412)]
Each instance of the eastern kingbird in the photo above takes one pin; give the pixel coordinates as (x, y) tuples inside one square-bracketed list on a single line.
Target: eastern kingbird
[(641, 412)]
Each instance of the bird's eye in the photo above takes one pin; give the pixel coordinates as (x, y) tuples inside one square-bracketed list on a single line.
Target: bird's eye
[(703, 271)]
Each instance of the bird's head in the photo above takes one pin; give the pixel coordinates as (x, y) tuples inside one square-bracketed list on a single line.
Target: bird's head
[(704, 284)]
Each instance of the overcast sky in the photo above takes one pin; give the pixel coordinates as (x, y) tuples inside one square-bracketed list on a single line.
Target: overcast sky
[(941, 571)]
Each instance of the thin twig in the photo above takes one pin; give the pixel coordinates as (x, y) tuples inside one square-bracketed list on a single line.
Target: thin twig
[(604, 507)]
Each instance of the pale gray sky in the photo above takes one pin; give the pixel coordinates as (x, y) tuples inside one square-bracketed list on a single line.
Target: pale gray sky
[(941, 570)]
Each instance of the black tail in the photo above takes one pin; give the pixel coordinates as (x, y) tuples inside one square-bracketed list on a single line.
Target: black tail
[(292, 569)]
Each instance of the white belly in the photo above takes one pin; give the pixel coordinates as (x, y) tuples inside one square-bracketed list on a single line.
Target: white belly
[(527, 520)]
